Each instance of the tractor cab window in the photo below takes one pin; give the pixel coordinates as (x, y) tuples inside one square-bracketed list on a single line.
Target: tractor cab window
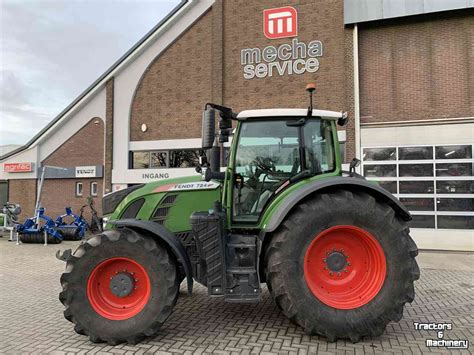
[(268, 155)]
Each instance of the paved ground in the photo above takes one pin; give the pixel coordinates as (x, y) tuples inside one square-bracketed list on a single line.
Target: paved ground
[(31, 316)]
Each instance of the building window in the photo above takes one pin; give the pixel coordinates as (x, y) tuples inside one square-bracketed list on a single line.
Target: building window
[(342, 150), (436, 182), (141, 160), (158, 160), (94, 188), (184, 158), (179, 158), (79, 189)]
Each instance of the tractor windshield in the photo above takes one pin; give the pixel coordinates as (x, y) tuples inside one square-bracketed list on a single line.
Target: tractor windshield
[(269, 153)]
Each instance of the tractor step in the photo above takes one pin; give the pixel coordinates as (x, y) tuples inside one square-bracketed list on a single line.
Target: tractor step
[(242, 281), (227, 262)]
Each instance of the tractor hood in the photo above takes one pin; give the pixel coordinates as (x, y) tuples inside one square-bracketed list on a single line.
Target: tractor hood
[(149, 201), (111, 201)]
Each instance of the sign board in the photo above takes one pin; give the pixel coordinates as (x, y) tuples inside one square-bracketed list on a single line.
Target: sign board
[(18, 167), (85, 171), (295, 57), (280, 22)]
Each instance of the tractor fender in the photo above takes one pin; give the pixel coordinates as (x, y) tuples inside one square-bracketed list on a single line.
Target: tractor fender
[(347, 183), (162, 234)]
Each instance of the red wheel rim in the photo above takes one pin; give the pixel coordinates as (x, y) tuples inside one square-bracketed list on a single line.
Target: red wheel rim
[(345, 267), (107, 275)]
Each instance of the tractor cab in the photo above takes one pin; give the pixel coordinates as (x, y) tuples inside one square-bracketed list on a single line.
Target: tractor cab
[(272, 149)]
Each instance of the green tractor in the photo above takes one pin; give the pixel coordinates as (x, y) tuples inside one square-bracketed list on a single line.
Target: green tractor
[(333, 248)]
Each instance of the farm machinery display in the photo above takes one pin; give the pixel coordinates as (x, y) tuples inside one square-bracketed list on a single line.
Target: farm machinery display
[(75, 229), (333, 248), (68, 226), (39, 229)]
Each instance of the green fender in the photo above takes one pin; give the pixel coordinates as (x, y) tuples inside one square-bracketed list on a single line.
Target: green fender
[(348, 183)]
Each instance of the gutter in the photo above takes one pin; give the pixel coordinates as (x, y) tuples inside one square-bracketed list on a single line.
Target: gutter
[(355, 55)]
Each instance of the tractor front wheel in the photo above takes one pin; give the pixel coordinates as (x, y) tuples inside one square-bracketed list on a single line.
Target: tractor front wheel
[(342, 265), (119, 286)]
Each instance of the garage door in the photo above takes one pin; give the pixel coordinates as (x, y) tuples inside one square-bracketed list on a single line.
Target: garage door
[(431, 171)]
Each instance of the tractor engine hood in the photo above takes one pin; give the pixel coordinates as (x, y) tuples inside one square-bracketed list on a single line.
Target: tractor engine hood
[(112, 200)]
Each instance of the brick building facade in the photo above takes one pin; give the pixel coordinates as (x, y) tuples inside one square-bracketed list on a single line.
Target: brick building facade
[(405, 74)]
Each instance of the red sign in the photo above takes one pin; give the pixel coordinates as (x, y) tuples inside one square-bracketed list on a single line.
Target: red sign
[(17, 167), (280, 22)]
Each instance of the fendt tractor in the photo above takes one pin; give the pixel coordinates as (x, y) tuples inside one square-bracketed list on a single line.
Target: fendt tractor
[(333, 248)]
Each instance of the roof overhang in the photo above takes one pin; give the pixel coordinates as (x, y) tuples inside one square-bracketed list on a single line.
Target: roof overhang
[(358, 11)]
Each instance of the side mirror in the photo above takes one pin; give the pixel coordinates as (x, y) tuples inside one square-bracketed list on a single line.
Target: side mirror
[(353, 165), (208, 128), (343, 120)]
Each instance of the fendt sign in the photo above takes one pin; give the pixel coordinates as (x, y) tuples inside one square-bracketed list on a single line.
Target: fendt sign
[(286, 59)]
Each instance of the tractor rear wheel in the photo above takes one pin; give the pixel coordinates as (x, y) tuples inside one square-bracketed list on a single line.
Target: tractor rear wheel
[(119, 286), (342, 265)]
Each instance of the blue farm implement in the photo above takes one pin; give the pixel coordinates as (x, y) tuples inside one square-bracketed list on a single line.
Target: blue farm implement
[(70, 225), (39, 229)]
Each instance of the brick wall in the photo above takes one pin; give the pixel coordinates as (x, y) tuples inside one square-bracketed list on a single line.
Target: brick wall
[(173, 90), (23, 191), (86, 147), (60, 193), (417, 68), (318, 20), (205, 63)]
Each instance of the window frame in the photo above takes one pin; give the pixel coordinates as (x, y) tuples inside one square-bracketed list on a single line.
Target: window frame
[(96, 184), (77, 185), (168, 153), (435, 195)]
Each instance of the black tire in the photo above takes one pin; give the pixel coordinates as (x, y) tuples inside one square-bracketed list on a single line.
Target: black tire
[(69, 233), (162, 271), (286, 250), (38, 238)]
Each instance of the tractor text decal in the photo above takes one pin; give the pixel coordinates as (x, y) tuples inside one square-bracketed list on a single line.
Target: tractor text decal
[(188, 186)]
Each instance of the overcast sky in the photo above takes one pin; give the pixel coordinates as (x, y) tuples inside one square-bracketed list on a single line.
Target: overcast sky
[(52, 50)]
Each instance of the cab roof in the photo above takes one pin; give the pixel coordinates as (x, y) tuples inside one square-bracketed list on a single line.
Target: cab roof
[(287, 112)]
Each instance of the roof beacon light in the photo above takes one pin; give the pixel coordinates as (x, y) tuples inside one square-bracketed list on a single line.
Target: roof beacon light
[(310, 88)]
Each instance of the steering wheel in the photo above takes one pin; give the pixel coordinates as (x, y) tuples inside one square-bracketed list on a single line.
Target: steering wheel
[(265, 164)]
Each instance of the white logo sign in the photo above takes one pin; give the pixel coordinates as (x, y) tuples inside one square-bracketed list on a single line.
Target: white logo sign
[(288, 58), (85, 171)]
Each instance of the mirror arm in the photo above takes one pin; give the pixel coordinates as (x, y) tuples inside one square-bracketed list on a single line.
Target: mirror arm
[(227, 112), (214, 175)]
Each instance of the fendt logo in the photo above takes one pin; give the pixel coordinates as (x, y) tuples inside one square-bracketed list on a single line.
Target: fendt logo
[(280, 22)]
